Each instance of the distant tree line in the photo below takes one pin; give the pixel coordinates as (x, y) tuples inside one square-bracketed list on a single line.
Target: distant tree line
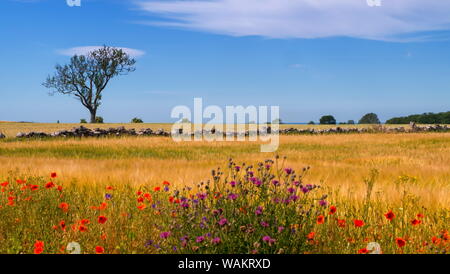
[(426, 118)]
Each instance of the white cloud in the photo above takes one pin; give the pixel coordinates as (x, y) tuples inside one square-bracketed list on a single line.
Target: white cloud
[(395, 20), (85, 50)]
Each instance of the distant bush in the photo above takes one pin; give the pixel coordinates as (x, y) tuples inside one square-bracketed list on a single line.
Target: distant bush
[(327, 120), (136, 121), (369, 118), (83, 121), (426, 118), (311, 123), (99, 120), (351, 122)]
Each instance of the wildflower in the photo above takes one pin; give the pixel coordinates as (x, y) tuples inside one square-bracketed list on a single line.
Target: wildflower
[(108, 196), (38, 247), (264, 224), (358, 223), (223, 222), (200, 239), (49, 185), (237, 168), (82, 228), (320, 220), (311, 235), (288, 171), (257, 183), (332, 210), (323, 203), (99, 250), (164, 235), (109, 188), (62, 224), (102, 219), (363, 251), (34, 187), (341, 223), (53, 174), (275, 182), (416, 222), (389, 215), (268, 239), (400, 242), (166, 183), (232, 183), (259, 211), (216, 240), (157, 189), (420, 216), (85, 222), (141, 206), (291, 190), (232, 196), (305, 190), (280, 229), (64, 207), (4, 184)]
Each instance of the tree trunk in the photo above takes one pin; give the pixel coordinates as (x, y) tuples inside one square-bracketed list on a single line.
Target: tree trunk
[(93, 116)]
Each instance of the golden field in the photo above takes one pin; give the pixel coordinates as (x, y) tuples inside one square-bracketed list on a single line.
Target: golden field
[(339, 161)]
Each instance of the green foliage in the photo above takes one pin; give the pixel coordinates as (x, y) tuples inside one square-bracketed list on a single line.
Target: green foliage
[(311, 123), (327, 120), (83, 121), (136, 121), (351, 122), (426, 118), (369, 118), (99, 120)]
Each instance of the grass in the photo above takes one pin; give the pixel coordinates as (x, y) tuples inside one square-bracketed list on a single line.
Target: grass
[(413, 177)]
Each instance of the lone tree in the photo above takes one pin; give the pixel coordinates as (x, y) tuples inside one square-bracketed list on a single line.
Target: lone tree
[(369, 118), (327, 120), (86, 76)]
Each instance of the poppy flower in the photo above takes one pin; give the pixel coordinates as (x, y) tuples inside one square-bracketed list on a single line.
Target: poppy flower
[(62, 224), (416, 222), (53, 174), (363, 251), (400, 242), (166, 183), (4, 184), (341, 223), (332, 210), (85, 221), (34, 187), (311, 235), (389, 215), (109, 188), (82, 228), (102, 219), (64, 207), (358, 223), (99, 250), (320, 219), (49, 185), (38, 247), (141, 206), (420, 216), (157, 188)]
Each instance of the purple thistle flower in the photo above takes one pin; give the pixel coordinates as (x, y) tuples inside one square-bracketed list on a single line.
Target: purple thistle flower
[(237, 168), (264, 224), (305, 190), (288, 170), (200, 239), (268, 240), (323, 203), (291, 190), (294, 198), (232, 196), (216, 240), (164, 235), (185, 205), (280, 229), (275, 182), (259, 210), (296, 183), (201, 196), (233, 183), (223, 222), (257, 183), (250, 173)]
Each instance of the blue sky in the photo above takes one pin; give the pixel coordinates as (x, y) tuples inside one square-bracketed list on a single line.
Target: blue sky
[(338, 57)]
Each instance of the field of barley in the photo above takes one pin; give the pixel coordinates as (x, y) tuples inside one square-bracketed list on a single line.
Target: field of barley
[(351, 193)]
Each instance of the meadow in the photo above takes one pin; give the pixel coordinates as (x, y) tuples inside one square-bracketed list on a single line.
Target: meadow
[(349, 190)]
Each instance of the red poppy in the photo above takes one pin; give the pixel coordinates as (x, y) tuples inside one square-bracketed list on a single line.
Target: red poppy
[(166, 183), (64, 206), (320, 219), (99, 250), (53, 175), (38, 247), (420, 216), (363, 251), (390, 215), (49, 185), (141, 206), (109, 188), (34, 187), (311, 235), (416, 222), (82, 228), (4, 184), (171, 199), (85, 221), (157, 188), (341, 223), (62, 224), (148, 196), (332, 210), (102, 219), (140, 199), (400, 242), (358, 223), (60, 188)]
